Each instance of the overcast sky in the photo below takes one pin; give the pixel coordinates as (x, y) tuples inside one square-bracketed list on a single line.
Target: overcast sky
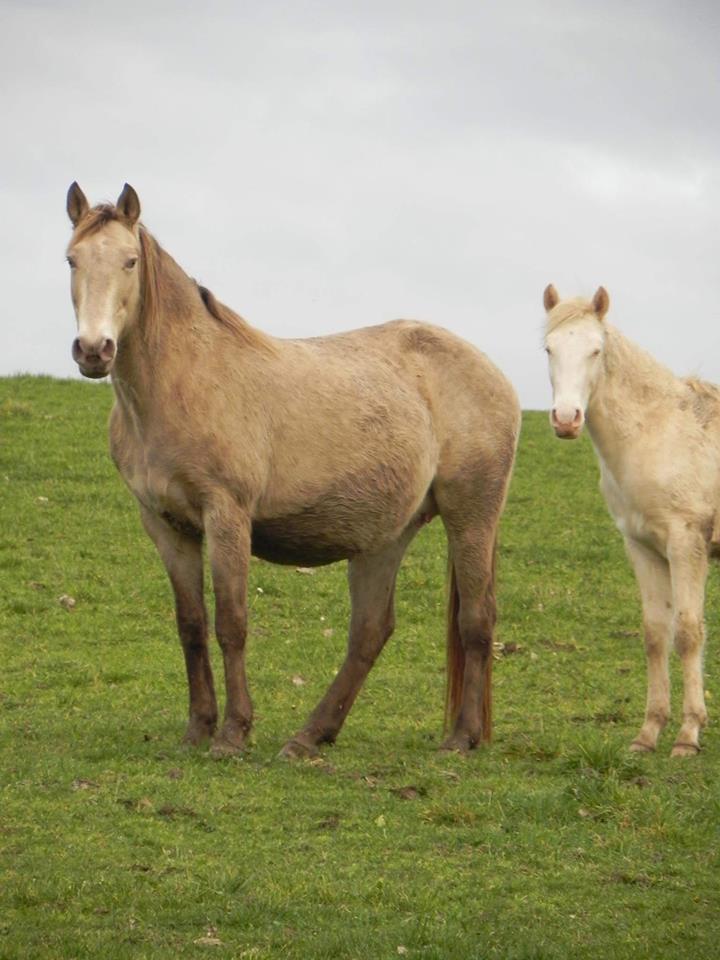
[(327, 165)]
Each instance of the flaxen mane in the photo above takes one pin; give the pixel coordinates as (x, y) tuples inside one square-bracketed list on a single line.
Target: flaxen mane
[(703, 388)]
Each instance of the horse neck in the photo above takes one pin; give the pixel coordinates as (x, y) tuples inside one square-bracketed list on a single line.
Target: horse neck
[(630, 385), (165, 330)]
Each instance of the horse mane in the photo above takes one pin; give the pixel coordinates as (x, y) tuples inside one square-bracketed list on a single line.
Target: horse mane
[(566, 311), (231, 320), (156, 285), (702, 388)]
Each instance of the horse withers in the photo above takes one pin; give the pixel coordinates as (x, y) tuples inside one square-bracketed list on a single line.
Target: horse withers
[(298, 451), (657, 438)]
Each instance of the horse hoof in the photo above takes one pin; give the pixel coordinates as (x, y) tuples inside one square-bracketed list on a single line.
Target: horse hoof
[(296, 750), (458, 743), (197, 734), (221, 748), (637, 746), (685, 750)]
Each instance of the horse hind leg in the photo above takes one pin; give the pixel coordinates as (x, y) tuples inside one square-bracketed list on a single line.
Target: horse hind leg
[(371, 581), (471, 504), (689, 567), (471, 622)]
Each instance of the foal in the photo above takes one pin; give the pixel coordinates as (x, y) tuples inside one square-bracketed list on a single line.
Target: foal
[(657, 438), (298, 451)]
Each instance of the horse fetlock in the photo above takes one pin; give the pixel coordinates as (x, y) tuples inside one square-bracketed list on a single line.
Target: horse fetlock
[(694, 719), (657, 716), (647, 738)]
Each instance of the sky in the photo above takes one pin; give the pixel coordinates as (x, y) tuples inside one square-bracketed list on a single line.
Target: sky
[(322, 166)]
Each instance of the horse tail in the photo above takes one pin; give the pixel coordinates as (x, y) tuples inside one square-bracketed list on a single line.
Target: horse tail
[(456, 652)]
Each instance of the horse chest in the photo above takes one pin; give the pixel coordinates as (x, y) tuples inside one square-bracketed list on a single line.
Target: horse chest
[(632, 522), (158, 492)]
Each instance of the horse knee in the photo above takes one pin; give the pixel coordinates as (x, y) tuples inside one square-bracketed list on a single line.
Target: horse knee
[(656, 639), (231, 628), (689, 634)]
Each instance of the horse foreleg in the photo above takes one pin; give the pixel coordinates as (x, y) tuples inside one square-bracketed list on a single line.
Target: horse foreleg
[(182, 556), (372, 620), (689, 566), (653, 576), (228, 536)]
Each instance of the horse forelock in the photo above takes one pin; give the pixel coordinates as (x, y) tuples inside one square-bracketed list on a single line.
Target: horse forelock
[(95, 219), (566, 311)]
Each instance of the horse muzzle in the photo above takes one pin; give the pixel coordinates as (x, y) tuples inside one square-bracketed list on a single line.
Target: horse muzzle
[(95, 359), (567, 429)]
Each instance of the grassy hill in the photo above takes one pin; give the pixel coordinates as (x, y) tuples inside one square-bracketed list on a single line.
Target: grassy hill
[(115, 842)]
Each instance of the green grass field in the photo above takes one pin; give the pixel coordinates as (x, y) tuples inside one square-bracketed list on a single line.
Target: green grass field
[(115, 842)]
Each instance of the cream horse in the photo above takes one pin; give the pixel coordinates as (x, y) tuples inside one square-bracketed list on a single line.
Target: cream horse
[(298, 451), (657, 438)]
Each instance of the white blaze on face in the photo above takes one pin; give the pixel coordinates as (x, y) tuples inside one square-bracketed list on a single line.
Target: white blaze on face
[(106, 293), (574, 352)]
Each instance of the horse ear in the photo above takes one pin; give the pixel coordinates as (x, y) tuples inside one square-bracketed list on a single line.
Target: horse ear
[(551, 298), (128, 205), (601, 302), (76, 204)]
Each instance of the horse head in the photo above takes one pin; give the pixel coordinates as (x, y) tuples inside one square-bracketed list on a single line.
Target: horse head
[(103, 255), (574, 342)]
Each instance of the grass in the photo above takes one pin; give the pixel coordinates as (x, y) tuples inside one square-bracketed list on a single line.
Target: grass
[(115, 842)]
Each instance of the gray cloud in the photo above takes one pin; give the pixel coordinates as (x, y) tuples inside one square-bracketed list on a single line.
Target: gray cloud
[(328, 165)]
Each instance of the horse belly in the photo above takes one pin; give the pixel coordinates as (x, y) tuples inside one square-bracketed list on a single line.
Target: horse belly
[(352, 518), (295, 540)]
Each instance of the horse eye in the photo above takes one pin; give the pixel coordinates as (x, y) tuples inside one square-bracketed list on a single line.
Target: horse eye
[(71, 262), (129, 264), (595, 353), (548, 351)]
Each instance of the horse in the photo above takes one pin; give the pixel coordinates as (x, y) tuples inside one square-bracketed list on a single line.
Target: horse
[(657, 439), (298, 451)]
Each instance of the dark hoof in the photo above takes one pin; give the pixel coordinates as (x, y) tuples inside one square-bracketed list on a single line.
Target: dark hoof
[(298, 750), (459, 743), (229, 742), (198, 732), (221, 748)]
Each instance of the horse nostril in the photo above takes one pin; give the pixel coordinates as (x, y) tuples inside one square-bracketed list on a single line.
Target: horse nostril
[(77, 351), (107, 350), (578, 416)]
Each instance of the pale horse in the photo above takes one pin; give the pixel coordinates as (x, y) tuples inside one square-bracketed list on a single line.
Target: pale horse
[(657, 439)]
